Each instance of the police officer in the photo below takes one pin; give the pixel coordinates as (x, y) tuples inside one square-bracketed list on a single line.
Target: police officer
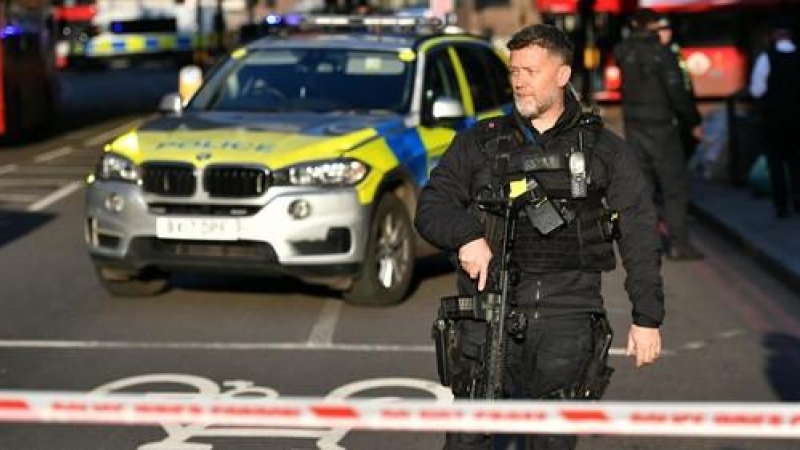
[(775, 80), (559, 273), (690, 135), (655, 106)]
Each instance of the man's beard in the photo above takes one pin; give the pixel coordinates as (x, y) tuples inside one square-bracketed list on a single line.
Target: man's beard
[(530, 107)]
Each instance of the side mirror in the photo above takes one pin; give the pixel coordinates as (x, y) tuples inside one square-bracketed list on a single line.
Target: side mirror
[(447, 108), (189, 80), (171, 104)]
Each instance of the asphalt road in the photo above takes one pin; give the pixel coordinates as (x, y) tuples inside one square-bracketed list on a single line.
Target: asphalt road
[(732, 332)]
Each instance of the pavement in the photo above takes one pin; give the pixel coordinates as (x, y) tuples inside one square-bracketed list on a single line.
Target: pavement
[(747, 219)]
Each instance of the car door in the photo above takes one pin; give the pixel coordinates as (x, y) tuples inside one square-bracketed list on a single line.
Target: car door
[(486, 74), (438, 80)]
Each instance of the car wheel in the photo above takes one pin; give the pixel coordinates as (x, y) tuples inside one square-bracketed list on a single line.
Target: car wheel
[(389, 261), (120, 284)]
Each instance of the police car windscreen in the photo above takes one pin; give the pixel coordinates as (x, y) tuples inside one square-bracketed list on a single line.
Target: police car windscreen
[(312, 80)]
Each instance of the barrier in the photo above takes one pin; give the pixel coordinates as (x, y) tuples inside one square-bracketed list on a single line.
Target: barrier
[(752, 420)]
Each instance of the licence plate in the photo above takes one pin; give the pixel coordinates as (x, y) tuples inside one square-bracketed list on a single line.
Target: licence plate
[(197, 229)]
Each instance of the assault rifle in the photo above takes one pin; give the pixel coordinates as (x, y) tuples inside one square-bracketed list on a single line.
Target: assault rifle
[(492, 305), (545, 217), (496, 300)]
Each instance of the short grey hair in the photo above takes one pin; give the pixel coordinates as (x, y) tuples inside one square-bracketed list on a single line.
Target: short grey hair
[(548, 37)]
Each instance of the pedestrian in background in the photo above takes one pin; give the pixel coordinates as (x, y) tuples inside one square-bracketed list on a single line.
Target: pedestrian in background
[(775, 80), (690, 135), (655, 105), (558, 288)]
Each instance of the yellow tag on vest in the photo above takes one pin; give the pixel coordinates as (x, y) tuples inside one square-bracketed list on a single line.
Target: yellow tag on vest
[(517, 188)]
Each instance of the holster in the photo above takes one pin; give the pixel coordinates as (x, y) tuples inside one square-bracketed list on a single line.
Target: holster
[(598, 372), (444, 338)]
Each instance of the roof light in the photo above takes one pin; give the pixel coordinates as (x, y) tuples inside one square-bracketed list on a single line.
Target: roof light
[(433, 23), (272, 19), (10, 30), (293, 19)]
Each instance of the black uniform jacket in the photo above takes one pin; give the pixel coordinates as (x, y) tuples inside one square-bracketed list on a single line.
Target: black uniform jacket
[(443, 218), (653, 88)]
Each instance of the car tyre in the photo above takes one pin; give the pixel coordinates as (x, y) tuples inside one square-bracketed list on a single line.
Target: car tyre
[(389, 260), (145, 284)]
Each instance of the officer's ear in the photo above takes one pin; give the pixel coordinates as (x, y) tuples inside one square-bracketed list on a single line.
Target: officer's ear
[(563, 75)]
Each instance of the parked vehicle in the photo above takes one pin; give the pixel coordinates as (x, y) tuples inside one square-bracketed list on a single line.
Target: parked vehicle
[(299, 156)]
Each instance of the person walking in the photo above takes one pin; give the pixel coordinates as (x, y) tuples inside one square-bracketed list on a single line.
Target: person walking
[(775, 81), (655, 106), (558, 287)]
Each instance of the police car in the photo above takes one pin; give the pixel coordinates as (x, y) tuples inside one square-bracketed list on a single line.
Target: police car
[(299, 156)]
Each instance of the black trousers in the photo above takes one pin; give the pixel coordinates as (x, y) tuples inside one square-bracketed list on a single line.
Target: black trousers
[(661, 156), (783, 163), (552, 356)]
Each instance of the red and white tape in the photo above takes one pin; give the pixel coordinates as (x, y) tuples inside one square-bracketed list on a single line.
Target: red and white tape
[(753, 420)]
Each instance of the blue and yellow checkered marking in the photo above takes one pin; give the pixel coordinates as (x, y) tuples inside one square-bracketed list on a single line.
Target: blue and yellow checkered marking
[(114, 45), (411, 152)]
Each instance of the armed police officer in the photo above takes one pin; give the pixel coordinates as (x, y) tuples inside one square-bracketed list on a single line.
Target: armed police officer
[(656, 106), (585, 189)]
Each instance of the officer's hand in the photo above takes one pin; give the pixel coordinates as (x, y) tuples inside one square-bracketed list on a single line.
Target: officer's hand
[(474, 258), (644, 344)]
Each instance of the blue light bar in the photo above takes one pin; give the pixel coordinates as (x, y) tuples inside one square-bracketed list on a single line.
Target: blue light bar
[(10, 30)]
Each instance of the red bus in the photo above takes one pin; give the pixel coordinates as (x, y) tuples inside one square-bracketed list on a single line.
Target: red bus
[(28, 81), (608, 22), (718, 38)]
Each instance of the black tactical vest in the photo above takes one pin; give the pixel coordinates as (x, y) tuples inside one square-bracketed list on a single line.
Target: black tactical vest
[(580, 244), (783, 84)]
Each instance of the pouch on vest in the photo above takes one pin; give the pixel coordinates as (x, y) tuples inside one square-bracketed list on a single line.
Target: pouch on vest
[(541, 212)]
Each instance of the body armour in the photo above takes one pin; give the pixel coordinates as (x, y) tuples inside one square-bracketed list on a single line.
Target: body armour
[(783, 87), (583, 242)]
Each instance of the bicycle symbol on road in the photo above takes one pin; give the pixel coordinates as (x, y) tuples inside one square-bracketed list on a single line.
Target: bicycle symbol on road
[(194, 386)]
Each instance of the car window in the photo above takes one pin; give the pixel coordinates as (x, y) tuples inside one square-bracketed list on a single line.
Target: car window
[(487, 76), (499, 76), (439, 80), (318, 80)]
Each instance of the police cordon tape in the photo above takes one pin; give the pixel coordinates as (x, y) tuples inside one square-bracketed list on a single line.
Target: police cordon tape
[(753, 420)]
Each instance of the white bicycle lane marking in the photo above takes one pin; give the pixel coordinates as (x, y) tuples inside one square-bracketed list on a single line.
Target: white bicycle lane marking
[(196, 387), (53, 154), (8, 168)]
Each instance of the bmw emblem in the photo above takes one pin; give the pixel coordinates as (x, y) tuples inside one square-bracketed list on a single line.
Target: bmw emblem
[(205, 156)]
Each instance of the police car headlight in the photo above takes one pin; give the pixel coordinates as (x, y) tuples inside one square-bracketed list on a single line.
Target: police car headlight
[(340, 172), (113, 166)]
